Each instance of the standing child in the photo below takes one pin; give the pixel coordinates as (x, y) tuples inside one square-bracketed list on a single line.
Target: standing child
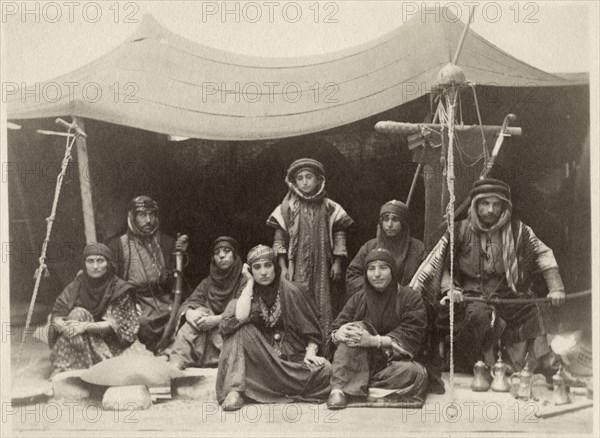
[(310, 235)]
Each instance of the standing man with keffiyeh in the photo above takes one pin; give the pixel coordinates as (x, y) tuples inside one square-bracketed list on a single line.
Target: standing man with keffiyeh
[(495, 256), (145, 259), (310, 236)]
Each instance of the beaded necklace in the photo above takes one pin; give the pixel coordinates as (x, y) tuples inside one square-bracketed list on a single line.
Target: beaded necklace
[(272, 315)]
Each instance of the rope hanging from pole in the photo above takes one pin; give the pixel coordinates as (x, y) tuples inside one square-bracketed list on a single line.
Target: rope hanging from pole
[(451, 95), (42, 268)]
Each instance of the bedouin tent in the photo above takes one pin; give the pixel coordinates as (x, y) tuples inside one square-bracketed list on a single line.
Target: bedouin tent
[(227, 178), (186, 89)]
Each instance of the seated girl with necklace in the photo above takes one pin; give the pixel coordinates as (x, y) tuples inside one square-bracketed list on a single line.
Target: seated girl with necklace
[(271, 340)]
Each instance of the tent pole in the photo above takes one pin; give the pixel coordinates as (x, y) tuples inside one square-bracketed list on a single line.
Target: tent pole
[(462, 37), (85, 184)]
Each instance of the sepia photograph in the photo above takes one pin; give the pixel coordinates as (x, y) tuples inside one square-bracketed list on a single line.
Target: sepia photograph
[(299, 218)]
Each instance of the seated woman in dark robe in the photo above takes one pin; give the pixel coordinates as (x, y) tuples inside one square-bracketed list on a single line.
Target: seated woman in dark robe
[(271, 338), (198, 342), (94, 318), (378, 334)]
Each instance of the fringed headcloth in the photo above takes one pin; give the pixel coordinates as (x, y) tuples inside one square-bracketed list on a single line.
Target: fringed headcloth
[(145, 204), (260, 252)]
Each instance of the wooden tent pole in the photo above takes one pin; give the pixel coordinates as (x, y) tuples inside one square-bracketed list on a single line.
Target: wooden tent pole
[(85, 184), (462, 37)]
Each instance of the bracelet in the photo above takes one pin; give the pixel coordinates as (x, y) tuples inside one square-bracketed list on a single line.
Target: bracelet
[(333, 335), (379, 342)]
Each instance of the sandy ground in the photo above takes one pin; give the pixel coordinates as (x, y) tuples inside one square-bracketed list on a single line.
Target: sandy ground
[(471, 414)]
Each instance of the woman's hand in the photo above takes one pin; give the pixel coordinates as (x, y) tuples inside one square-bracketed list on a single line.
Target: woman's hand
[(311, 359), (207, 323), (192, 316), (314, 361), (362, 338), (348, 332), (336, 269), (74, 328), (247, 273)]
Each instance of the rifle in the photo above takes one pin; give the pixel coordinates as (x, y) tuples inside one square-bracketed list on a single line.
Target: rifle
[(505, 131), (177, 288)]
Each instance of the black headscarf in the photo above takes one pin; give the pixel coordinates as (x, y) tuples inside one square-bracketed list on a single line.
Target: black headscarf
[(381, 305), (93, 294), (220, 285)]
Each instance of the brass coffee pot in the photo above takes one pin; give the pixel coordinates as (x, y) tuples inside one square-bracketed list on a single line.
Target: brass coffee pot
[(480, 380), (499, 373), (524, 390), (560, 394)]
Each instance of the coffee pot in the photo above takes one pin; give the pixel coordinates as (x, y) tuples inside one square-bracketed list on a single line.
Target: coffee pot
[(499, 373), (480, 381), (560, 394), (524, 390)]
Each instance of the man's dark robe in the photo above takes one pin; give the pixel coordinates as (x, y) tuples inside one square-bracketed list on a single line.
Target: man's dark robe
[(154, 298), (478, 326)]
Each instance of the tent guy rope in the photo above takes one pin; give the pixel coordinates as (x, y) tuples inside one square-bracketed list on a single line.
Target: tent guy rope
[(73, 131)]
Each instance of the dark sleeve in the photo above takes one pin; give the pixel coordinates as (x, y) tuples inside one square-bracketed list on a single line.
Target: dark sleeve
[(64, 302), (230, 324), (195, 300), (348, 313), (410, 332), (355, 272)]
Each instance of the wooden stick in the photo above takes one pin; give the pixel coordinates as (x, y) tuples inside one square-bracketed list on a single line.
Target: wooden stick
[(402, 128), (462, 37), (563, 409), (85, 185), (541, 300), (414, 184)]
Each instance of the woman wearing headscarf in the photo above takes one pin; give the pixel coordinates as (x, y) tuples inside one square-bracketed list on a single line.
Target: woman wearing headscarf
[(94, 318), (271, 340), (393, 234), (378, 335), (198, 342), (310, 235)]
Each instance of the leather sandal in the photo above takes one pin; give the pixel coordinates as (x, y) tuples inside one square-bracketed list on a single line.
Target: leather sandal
[(233, 401), (337, 399)]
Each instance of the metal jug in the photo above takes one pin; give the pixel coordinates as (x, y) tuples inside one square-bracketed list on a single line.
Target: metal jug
[(560, 394), (480, 381), (499, 373), (525, 385)]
